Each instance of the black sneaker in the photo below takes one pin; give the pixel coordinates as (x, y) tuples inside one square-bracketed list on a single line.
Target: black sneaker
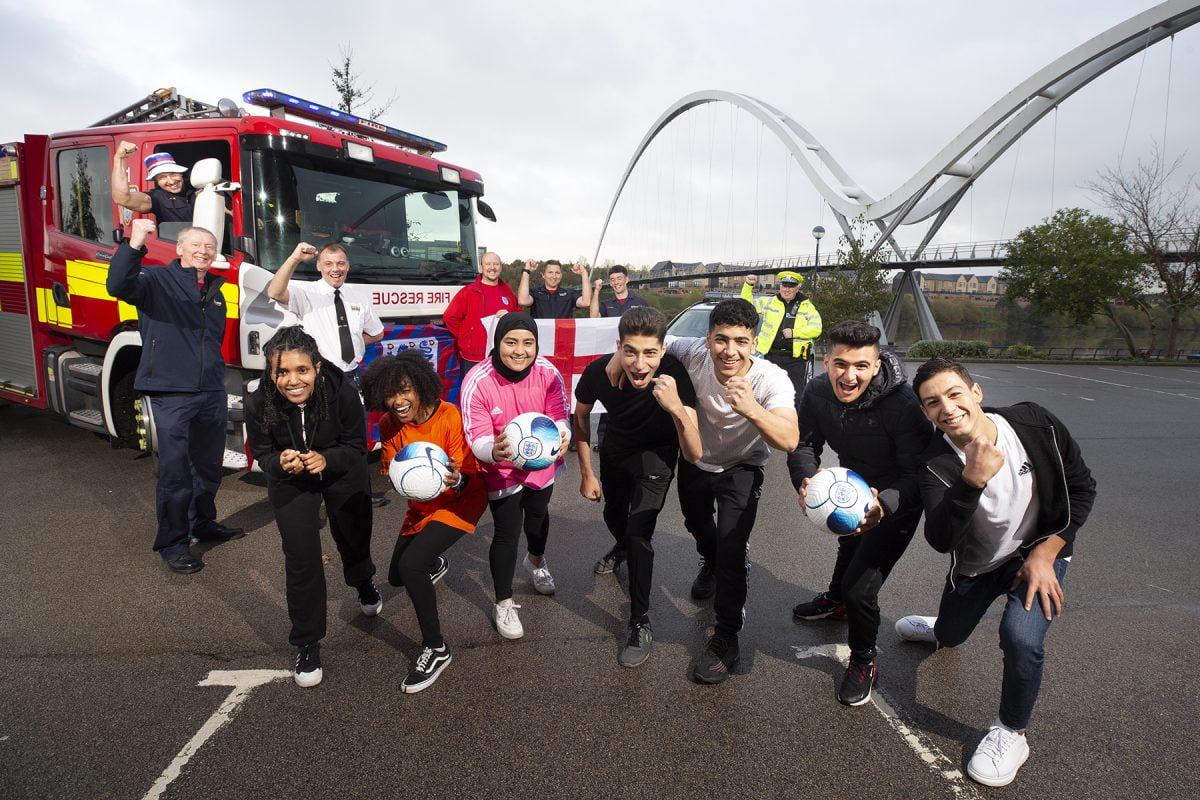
[(369, 599), (440, 568), (308, 665), (820, 607), (637, 649), (857, 682), (425, 669), (719, 656), (612, 559), (705, 584)]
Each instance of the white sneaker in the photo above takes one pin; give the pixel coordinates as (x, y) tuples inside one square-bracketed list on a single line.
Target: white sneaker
[(508, 624), (543, 581), (999, 756), (915, 628)]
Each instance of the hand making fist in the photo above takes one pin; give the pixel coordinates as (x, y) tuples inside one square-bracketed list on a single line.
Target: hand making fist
[(666, 392), (984, 460), (304, 252), (139, 229), (740, 395)]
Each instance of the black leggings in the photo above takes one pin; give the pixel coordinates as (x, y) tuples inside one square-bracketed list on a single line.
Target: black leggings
[(410, 568), (507, 512)]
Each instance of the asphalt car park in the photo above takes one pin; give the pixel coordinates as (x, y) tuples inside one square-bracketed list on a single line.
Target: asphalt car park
[(121, 679)]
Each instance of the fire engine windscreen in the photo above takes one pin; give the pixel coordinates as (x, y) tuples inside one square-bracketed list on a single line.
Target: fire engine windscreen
[(393, 233)]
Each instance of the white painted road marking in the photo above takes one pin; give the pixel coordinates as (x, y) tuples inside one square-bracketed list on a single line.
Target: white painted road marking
[(1149, 375), (243, 682), (920, 744), (1109, 383)]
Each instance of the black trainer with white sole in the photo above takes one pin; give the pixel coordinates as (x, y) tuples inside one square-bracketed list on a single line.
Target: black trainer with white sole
[(308, 665), (426, 669)]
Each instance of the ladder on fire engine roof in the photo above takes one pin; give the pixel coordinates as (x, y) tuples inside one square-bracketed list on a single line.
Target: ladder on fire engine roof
[(162, 105)]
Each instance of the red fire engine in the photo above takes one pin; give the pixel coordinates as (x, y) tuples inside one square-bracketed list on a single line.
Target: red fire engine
[(304, 173)]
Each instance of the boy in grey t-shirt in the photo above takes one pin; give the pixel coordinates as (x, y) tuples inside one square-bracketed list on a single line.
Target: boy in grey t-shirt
[(744, 405)]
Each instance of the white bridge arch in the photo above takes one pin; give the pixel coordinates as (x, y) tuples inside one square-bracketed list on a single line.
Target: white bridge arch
[(937, 187)]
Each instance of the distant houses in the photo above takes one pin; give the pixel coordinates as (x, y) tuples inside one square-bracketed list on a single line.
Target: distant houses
[(956, 283)]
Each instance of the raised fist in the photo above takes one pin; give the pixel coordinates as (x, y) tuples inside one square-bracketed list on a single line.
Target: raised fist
[(304, 252), (139, 229), (126, 149), (752, 280)]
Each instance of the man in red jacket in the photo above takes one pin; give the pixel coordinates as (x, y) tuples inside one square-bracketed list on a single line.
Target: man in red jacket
[(488, 296)]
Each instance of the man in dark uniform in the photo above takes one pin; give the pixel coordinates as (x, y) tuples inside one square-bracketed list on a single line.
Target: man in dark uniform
[(622, 299), (181, 318), (552, 301), (171, 199)]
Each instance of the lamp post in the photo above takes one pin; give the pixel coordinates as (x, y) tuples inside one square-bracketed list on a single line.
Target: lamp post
[(818, 232)]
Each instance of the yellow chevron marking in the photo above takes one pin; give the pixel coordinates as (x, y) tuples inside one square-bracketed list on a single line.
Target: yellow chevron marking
[(12, 267)]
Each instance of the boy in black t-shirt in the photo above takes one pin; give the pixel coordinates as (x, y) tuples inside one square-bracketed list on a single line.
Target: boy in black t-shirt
[(651, 417)]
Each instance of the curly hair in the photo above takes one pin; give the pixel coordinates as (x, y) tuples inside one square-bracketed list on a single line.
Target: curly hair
[(290, 338), (390, 375)]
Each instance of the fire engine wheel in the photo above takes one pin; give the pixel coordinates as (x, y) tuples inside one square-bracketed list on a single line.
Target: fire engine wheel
[(126, 411)]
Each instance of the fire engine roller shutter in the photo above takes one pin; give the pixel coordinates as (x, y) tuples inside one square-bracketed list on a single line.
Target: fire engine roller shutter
[(16, 336)]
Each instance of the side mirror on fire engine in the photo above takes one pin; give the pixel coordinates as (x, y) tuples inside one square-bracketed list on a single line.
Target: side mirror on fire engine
[(209, 209), (485, 210)]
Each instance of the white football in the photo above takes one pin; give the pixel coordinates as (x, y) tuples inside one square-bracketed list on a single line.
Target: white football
[(534, 441), (418, 471)]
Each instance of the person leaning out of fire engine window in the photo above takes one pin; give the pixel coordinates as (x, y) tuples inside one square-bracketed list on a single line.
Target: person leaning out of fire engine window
[(789, 324), (171, 199)]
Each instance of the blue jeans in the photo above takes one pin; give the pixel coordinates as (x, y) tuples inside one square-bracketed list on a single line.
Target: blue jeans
[(1022, 633)]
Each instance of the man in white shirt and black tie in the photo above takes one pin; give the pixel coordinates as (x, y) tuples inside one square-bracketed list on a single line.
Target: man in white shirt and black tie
[(339, 317)]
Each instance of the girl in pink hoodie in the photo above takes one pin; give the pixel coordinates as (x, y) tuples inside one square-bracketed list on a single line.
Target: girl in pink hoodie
[(515, 380)]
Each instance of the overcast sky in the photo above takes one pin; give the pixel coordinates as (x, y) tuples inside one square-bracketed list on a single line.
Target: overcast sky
[(547, 100)]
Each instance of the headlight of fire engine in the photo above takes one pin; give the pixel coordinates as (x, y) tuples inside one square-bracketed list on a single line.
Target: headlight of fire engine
[(450, 175)]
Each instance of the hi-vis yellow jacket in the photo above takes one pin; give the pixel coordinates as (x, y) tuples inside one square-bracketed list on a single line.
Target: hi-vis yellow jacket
[(808, 322)]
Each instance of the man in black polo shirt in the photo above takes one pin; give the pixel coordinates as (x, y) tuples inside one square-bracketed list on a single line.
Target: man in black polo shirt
[(622, 299), (552, 301), (171, 199), (651, 417)]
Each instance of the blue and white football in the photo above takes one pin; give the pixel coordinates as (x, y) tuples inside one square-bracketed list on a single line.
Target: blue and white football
[(837, 499)]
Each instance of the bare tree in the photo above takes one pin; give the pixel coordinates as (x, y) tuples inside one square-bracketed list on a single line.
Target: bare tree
[(1163, 224), (351, 91)]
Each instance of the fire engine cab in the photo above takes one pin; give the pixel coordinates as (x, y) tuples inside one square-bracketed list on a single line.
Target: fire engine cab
[(299, 171)]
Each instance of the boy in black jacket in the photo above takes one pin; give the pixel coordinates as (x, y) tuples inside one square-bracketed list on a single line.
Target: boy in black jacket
[(1005, 490), (863, 408)]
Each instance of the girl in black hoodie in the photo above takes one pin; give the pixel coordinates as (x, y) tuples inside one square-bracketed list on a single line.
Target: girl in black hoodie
[(305, 427)]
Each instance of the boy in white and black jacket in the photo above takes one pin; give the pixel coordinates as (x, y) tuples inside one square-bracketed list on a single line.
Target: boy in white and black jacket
[(1005, 490)]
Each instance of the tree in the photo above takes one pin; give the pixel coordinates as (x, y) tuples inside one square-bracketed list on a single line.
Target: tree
[(80, 220), (857, 284), (1078, 265), (1155, 216), (351, 91)]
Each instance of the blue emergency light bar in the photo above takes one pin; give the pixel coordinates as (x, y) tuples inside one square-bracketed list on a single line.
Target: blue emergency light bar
[(272, 99)]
